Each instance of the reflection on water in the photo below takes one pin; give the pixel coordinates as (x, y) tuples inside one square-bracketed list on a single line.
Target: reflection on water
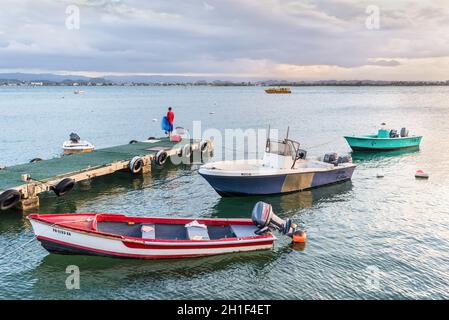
[(284, 205), (12, 222), (107, 186), (300, 246), (151, 268), (118, 274), (379, 155)]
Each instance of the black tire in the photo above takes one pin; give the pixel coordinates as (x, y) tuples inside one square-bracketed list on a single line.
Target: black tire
[(187, 150), (35, 160), (161, 157), (63, 186), (133, 141), (204, 147), (9, 199), (136, 165)]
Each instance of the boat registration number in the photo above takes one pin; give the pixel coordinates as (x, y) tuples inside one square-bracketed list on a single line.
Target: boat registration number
[(63, 232)]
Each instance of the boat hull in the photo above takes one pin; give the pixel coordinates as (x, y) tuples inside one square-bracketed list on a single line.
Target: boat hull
[(248, 185), (77, 151), (382, 144), (57, 239), (277, 92)]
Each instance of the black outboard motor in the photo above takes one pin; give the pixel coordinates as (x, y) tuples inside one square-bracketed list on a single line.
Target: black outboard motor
[(265, 219), (331, 157), (74, 137), (344, 159), (404, 132)]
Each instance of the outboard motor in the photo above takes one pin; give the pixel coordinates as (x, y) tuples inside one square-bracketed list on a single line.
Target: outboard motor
[(265, 219), (344, 159), (404, 132), (74, 137), (263, 216), (331, 157), (394, 133)]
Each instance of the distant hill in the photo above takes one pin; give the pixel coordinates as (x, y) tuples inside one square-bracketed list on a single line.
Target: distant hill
[(116, 79), (173, 79), (55, 79), (41, 77)]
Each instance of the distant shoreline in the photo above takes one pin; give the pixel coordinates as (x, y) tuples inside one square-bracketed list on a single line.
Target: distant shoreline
[(12, 83), (48, 79)]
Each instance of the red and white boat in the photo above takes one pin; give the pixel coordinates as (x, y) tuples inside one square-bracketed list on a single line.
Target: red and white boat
[(145, 238), (116, 235)]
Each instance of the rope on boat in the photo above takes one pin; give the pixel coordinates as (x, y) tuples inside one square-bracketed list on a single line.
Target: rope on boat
[(20, 247), (54, 224), (321, 144), (235, 150)]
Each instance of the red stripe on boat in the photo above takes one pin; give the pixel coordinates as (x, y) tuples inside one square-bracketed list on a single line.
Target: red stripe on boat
[(198, 246), (142, 256)]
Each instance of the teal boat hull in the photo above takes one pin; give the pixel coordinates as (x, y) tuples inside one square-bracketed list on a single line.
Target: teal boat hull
[(372, 143)]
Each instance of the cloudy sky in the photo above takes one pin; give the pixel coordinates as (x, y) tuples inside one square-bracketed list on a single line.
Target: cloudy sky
[(284, 39)]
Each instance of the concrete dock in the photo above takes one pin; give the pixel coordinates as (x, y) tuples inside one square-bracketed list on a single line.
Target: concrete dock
[(31, 179)]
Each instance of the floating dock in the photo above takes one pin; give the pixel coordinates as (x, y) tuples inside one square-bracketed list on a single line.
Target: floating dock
[(31, 179)]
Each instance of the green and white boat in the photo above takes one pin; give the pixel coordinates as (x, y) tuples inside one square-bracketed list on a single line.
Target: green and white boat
[(384, 140)]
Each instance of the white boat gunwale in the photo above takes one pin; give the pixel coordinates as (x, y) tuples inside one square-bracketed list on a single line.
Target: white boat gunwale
[(366, 137), (268, 171)]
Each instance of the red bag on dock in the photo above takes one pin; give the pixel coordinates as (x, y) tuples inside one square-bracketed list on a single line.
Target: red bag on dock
[(175, 138)]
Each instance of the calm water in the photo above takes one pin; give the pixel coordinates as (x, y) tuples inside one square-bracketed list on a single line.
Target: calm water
[(372, 238)]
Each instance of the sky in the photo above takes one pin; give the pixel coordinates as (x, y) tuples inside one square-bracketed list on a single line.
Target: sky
[(242, 39)]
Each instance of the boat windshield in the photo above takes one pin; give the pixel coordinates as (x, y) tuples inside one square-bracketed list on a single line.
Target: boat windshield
[(284, 148)]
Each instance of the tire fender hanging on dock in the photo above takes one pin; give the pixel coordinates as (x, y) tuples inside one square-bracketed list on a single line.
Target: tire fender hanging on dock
[(204, 147), (9, 199), (136, 165), (161, 157), (187, 151), (34, 160), (63, 186)]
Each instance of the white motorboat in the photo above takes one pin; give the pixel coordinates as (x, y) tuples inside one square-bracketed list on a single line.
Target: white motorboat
[(76, 145), (284, 168)]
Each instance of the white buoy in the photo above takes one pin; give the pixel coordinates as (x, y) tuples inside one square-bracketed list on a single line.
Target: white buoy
[(154, 120)]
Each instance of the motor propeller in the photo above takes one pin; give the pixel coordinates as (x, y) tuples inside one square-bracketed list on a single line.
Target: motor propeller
[(264, 218)]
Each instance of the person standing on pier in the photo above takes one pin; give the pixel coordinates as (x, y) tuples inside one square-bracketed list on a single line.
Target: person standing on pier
[(170, 119)]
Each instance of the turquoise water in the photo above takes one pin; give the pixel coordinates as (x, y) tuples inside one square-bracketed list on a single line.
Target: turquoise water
[(370, 238)]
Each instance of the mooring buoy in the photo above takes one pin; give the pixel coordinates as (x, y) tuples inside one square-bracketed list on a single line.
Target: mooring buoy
[(420, 174)]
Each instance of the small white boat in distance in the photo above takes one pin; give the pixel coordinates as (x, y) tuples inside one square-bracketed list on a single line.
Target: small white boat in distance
[(78, 92), (76, 145), (284, 168)]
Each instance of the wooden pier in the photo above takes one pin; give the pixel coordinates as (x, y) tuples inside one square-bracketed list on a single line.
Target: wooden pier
[(21, 184)]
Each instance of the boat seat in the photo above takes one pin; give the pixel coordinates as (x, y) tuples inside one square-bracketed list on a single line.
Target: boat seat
[(197, 231), (241, 231), (148, 231)]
